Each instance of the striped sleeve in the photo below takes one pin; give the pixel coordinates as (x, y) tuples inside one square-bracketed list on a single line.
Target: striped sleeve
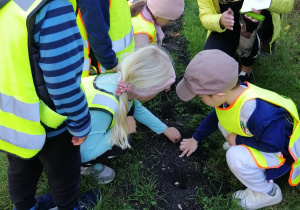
[(61, 60)]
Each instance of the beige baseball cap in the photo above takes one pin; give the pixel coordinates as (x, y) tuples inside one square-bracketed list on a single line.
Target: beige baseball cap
[(209, 72), (167, 9)]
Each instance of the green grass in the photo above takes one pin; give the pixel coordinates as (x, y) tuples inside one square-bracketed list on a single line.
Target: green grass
[(133, 188), (278, 72)]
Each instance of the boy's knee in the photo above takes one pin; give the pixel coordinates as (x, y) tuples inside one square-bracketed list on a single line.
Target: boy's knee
[(235, 158)]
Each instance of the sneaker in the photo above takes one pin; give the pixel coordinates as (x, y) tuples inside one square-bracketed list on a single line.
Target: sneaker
[(243, 76), (249, 199), (226, 145), (45, 202), (102, 173), (86, 201), (89, 200)]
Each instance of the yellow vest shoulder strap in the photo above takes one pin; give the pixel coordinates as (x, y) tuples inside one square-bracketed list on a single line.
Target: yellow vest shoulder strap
[(143, 26)]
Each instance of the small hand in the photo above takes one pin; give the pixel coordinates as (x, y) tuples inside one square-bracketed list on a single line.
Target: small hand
[(131, 124), (252, 19), (77, 141), (231, 139), (227, 19), (188, 146), (168, 89), (115, 69), (173, 134)]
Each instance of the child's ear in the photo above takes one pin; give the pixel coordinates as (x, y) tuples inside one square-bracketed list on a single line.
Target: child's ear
[(221, 94)]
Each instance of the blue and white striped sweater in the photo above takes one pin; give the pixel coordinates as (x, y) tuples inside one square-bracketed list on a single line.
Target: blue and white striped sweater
[(61, 59)]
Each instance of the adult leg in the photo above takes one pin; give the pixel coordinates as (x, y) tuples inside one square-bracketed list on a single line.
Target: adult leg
[(227, 41), (266, 32), (23, 176), (247, 62), (62, 165)]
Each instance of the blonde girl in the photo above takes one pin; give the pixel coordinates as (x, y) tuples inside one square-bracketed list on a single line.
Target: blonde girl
[(140, 77)]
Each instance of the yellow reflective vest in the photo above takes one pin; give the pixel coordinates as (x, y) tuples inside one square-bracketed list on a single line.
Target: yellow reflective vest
[(121, 30), (100, 99), (143, 26), (229, 118), (22, 112), (86, 46)]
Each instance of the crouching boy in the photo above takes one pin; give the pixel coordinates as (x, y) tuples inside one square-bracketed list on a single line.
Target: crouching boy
[(261, 127)]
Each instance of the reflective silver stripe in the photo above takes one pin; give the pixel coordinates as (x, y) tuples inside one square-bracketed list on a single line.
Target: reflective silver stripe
[(86, 64), (296, 148), (22, 140), (296, 172), (24, 4), (23, 110), (121, 44), (106, 101), (86, 44), (271, 158), (103, 70)]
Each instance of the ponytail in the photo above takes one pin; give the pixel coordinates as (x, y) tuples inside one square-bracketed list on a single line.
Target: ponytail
[(146, 68)]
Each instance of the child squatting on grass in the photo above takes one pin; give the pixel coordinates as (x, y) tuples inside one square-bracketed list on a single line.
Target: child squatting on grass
[(149, 16), (112, 97), (260, 126)]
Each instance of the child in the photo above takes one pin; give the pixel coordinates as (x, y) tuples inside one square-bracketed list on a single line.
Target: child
[(109, 30), (141, 76), (259, 123), (43, 61), (149, 16)]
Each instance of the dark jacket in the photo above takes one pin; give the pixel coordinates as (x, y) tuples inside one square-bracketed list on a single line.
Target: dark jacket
[(270, 128)]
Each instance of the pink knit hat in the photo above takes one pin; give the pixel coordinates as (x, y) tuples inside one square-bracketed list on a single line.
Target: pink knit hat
[(167, 9)]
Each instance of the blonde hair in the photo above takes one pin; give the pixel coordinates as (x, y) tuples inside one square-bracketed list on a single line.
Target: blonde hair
[(145, 68)]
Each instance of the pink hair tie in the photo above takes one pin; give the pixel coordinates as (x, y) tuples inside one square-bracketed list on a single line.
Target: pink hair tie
[(123, 87)]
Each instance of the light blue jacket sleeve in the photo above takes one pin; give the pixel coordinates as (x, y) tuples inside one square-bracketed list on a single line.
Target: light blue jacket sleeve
[(97, 141), (143, 115)]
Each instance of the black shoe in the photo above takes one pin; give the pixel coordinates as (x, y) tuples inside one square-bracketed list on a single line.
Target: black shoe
[(86, 201), (45, 202), (244, 77), (89, 200)]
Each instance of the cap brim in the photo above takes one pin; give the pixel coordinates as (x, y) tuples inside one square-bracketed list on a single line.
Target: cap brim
[(183, 91)]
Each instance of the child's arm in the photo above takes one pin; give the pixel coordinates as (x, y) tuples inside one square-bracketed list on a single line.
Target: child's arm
[(95, 15), (131, 124), (141, 40), (208, 126), (188, 146), (144, 116), (97, 141), (173, 134)]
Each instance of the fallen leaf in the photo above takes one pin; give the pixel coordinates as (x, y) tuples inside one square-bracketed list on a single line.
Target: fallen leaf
[(175, 34), (287, 27)]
